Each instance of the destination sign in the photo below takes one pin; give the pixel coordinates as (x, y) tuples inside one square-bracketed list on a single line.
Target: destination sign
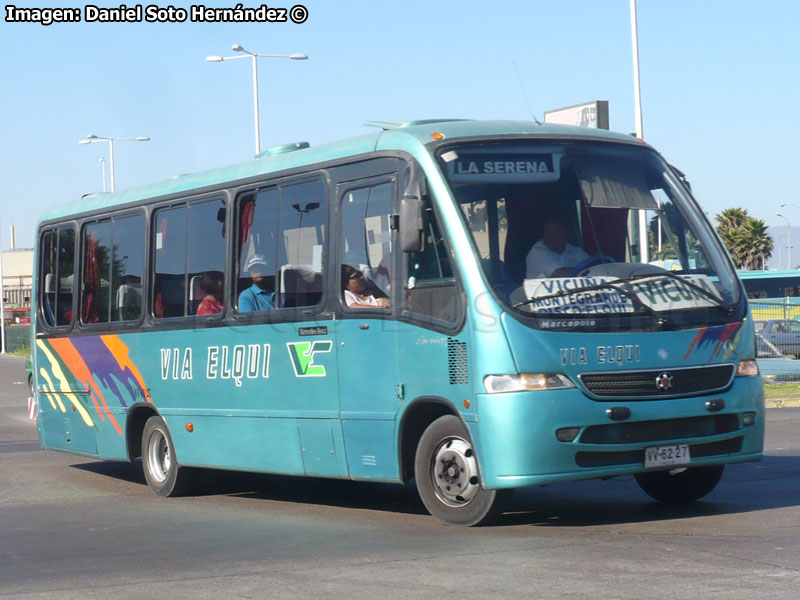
[(658, 293), (526, 167)]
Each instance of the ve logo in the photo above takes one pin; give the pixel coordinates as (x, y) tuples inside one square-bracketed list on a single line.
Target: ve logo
[(302, 355)]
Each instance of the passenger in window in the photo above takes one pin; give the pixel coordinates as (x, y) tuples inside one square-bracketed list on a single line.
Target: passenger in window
[(553, 255), (257, 297), (211, 284), (354, 286), (158, 301)]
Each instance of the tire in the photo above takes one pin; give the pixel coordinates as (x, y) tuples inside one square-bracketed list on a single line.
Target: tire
[(161, 470), (448, 478), (681, 487), (30, 386)]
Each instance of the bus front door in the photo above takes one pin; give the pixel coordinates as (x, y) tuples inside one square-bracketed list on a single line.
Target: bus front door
[(369, 391)]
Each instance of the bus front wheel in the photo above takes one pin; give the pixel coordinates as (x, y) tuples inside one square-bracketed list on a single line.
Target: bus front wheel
[(680, 486), (162, 472), (448, 479)]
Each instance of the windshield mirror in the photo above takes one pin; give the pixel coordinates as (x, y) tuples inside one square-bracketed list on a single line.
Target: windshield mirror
[(588, 228)]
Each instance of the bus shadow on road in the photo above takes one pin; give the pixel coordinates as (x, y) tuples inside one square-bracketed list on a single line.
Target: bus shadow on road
[(771, 483), (278, 488), (324, 492), (123, 471)]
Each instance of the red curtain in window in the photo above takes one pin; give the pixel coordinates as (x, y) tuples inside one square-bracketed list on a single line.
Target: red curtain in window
[(91, 282)]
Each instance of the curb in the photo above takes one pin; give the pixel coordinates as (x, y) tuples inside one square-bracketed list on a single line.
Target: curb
[(783, 403)]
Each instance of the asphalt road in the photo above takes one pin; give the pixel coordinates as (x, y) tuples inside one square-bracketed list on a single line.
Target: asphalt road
[(76, 528)]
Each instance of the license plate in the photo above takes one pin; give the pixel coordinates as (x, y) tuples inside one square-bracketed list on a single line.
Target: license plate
[(666, 456)]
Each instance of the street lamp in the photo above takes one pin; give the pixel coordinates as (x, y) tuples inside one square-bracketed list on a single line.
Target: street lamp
[(255, 57), (92, 138), (789, 236), (103, 166)]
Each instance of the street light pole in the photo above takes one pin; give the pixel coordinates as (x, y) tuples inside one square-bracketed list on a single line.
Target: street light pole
[(103, 166), (92, 138), (637, 90), (788, 237), (637, 96), (254, 56), (255, 103), (790, 233)]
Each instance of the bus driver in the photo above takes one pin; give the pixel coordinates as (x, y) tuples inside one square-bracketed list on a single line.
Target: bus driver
[(553, 255)]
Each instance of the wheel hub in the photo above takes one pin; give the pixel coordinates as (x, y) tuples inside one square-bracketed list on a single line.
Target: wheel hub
[(159, 456), (455, 472)]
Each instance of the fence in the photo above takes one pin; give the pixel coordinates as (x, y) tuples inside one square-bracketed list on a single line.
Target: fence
[(787, 308), (777, 339), (17, 336)]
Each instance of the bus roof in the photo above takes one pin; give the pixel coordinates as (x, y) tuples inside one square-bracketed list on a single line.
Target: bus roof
[(768, 274), (410, 136)]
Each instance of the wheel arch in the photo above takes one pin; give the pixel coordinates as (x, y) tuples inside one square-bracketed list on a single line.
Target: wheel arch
[(138, 414), (421, 412)]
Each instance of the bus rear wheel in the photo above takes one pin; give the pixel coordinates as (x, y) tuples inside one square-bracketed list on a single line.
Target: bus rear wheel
[(448, 479), (680, 486), (161, 470)]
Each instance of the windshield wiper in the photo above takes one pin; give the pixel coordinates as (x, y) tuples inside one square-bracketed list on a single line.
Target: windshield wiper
[(719, 302), (600, 286)]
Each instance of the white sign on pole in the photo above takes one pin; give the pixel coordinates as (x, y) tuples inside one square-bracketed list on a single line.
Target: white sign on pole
[(589, 114)]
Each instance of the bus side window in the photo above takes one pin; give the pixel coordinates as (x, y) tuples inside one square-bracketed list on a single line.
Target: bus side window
[(206, 257), (431, 289), (47, 277), (127, 268), (189, 244), (366, 243), (96, 275), (258, 227), (303, 221), (170, 264), (57, 276), (111, 275)]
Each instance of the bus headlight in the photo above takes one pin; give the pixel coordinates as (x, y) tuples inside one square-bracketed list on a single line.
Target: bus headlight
[(747, 368), (526, 382)]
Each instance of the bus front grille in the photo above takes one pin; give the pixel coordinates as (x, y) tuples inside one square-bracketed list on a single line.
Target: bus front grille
[(665, 429), (633, 457), (658, 383)]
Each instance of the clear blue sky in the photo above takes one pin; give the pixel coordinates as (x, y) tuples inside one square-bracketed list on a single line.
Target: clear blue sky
[(720, 83)]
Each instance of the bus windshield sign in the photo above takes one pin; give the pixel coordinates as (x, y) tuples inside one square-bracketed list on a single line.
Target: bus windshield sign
[(605, 295), (508, 167)]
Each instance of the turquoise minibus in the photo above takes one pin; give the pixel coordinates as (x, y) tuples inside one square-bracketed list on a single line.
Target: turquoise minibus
[(464, 304)]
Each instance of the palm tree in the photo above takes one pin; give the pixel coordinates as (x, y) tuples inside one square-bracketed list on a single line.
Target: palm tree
[(745, 237), (731, 218), (755, 243)]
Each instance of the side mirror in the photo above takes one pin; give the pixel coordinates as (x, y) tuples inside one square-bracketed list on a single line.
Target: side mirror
[(412, 222)]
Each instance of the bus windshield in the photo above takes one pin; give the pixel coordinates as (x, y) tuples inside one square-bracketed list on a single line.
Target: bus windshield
[(583, 228)]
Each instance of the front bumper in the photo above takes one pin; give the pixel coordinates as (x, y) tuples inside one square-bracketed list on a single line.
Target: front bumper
[(515, 433)]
